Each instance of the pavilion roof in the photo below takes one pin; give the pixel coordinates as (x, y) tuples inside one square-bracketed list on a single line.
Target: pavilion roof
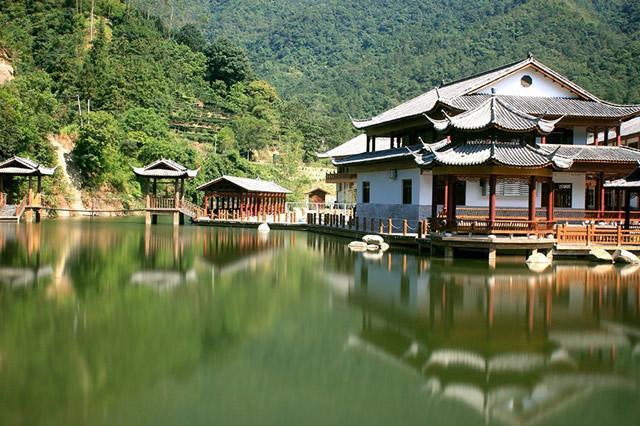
[(24, 167), (507, 153), (165, 168), (247, 184), (631, 181), (511, 154), (494, 113), (354, 146), (460, 95)]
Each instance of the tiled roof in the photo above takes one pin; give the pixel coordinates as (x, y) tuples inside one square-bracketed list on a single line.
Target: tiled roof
[(596, 154), (513, 154), (590, 105), (372, 156), (165, 168), (250, 185), (494, 113), (355, 146), (24, 166), (631, 181), (548, 106)]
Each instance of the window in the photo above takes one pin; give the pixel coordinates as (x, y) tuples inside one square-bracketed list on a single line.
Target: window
[(526, 81), (406, 191), (563, 194), (561, 137), (365, 192)]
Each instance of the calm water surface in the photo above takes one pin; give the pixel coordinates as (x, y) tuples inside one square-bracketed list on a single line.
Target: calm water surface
[(108, 322)]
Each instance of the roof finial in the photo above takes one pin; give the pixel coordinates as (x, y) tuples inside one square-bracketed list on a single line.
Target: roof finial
[(530, 55), (493, 91)]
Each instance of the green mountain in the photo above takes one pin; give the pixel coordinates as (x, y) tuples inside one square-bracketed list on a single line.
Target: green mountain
[(362, 56)]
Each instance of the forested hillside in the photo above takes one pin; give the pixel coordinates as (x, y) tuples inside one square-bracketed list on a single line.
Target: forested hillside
[(124, 89), (362, 56)]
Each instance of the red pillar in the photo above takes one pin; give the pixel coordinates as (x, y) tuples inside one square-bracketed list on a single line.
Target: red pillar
[(600, 200), (595, 137), (492, 198), (618, 136), (451, 204), (551, 201), (606, 136), (446, 195), (532, 198), (543, 139)]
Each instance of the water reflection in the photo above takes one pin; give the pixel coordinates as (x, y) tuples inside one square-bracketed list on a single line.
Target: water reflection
[(102, 312), (514, 345)]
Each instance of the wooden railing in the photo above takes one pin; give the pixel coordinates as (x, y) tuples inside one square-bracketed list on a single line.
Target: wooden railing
[(597, 235), (498, 226), (161, 203), (36, 201), (191, 209), (559, 214), (21, 207)]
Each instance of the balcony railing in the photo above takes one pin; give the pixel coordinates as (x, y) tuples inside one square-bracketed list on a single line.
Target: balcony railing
[(161, 203), (340, 177)]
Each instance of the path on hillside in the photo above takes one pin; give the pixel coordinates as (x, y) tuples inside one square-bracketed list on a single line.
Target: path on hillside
[(75, 202)]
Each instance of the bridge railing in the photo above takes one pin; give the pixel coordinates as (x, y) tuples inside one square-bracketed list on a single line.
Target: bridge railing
[(597, 235), (21, 206), (191, 209)]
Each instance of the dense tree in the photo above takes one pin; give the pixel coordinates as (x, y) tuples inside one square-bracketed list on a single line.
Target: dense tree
[(227, 62), (190, 35)]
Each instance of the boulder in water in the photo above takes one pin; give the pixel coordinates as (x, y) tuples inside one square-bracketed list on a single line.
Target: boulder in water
[(373, 247), (599, 255), (263, 227), (538, 258), (358, 246), (373, 239), (384, 247), (624, 256)]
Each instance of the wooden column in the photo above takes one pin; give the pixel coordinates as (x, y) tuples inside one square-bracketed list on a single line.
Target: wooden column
[(532, 198), (543, 139), (451, 210), (434, 199), (595, 137), (627, 208), (492, 199), (600, 203), (618, 136), (446, 195), (605, 138), (551, 201)]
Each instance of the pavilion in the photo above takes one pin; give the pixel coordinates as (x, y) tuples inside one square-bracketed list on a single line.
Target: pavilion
[(503, 150), (236, 197), (30, 204), (172, 175)]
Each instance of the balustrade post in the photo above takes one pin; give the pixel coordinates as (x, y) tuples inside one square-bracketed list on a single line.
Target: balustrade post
[(390, 225), (619, 235), (405, 227), (419, 228), (373, 226), (380, 226)]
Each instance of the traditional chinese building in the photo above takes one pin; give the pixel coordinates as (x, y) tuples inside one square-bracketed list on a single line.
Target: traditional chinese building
[(164, 182), (13, 205), (509, 143), (232, 197)]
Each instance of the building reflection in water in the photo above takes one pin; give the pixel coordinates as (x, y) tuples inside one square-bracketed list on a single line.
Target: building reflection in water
[(513, 344)]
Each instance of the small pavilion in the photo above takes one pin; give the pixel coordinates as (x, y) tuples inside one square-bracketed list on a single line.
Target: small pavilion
[(237, 197), (492, 142), (317, 195), (32, 201), (630, 186), (167, 176)]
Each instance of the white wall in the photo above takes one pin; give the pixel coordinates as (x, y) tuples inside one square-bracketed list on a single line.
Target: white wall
[(474, 197), (541, 86), (384, 190), (578, 181)]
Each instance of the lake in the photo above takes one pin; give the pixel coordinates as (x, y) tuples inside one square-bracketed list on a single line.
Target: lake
[(109, 322)]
